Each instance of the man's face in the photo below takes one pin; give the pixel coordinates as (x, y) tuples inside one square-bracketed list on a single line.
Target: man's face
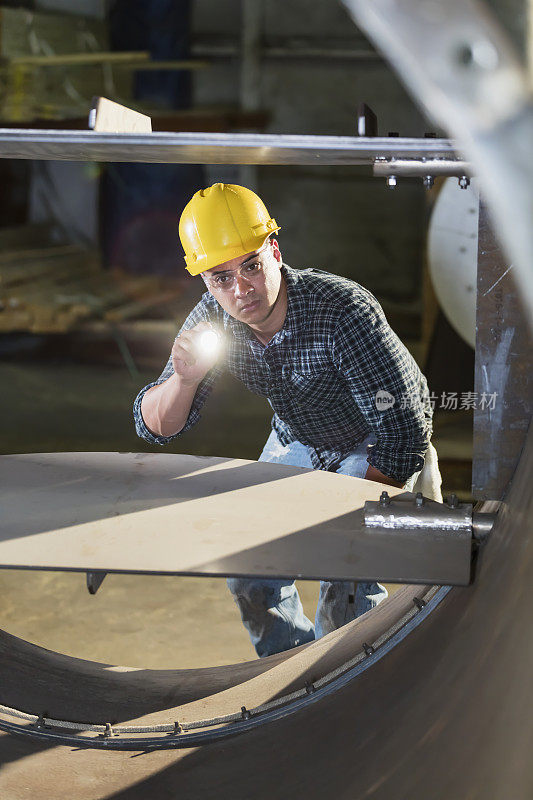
[(247, 287)]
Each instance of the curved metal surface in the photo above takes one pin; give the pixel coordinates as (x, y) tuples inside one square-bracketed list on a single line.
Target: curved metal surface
[(429, 719), (209, 704)]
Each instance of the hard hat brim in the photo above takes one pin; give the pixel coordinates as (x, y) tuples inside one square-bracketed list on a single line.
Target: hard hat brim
[(199, 264)]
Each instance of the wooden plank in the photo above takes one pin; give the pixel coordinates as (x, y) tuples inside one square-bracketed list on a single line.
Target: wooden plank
[(110, 117)]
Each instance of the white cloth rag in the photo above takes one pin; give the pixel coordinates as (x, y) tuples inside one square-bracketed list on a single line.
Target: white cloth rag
[(428, 480)]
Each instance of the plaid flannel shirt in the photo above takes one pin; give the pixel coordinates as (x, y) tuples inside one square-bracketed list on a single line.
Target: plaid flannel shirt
[(328, 375)]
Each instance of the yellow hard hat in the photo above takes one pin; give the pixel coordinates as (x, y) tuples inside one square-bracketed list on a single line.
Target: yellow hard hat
[(222, 222)]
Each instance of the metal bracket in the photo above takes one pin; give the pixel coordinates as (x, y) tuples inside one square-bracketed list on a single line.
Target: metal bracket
[(403, 513), (405, 520), (420, 167), (94, 580)]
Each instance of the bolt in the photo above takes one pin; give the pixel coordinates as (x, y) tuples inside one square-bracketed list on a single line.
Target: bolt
[(309, 688), (452, 501), (177, 728), (428, 181), (368, 649), (419, 603), (480, 54), (384, 499), (391, 181), (464, 182), (245, 713), (419, 500)]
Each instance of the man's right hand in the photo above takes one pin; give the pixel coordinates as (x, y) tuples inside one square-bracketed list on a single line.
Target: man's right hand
[(189, 360)]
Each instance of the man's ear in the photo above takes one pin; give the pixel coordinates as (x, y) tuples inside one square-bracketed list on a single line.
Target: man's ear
[(276, 251)]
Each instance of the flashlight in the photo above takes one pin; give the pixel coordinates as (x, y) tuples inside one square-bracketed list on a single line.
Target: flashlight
[(208, 343)]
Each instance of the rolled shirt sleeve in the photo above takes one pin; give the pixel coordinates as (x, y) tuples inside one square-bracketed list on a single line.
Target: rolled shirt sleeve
[(199, 313), (388, 388)]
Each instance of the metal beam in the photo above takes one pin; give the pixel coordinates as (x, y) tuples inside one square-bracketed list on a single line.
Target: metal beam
[(215, 148)]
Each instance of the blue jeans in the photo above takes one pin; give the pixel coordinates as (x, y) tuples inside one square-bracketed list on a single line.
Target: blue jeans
[(271, 610)]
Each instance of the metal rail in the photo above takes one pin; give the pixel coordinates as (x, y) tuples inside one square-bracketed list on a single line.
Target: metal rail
[(216, 148)]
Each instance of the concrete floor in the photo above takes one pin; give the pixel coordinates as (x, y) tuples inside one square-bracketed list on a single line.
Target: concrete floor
[(55, 404), (158, 622)]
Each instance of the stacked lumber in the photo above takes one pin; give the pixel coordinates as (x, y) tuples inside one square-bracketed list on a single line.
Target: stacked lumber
[(52, 287)]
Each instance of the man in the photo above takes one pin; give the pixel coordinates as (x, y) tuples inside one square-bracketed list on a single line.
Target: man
[(347, 395)]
